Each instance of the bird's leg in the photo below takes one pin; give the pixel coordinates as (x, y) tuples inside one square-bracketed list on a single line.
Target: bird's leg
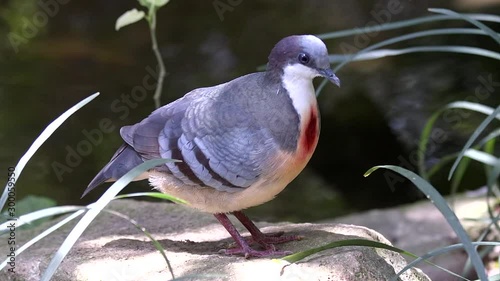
[(242, 245), (266, 240)]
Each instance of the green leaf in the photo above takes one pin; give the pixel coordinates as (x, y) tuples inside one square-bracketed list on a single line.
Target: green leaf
[(153, 3), (382, 53), (158, 195), (440, 251), (445, 210), (355, 242), (94, 210), (475, 22), (343, 243), (129, 17), (426, 132), (481, 156), (406, 23), (44, 234), (44, 214), (473, 137), (145, 232)]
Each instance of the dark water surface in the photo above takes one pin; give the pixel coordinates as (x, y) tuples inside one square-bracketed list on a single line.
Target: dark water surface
[(375, 118)]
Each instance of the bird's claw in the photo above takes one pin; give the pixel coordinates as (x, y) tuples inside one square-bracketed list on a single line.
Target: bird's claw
[(273, 238)]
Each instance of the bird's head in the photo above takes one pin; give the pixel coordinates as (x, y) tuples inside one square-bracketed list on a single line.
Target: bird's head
[(304, 56)]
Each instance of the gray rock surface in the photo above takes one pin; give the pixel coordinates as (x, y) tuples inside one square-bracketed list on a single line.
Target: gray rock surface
[(420, 228), (113, 249)]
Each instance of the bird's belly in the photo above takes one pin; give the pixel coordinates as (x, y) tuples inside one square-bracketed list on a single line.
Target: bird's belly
[(211, 200), (286, 166)]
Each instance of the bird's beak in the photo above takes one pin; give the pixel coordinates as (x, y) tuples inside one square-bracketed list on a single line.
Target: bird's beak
[(328, 74)]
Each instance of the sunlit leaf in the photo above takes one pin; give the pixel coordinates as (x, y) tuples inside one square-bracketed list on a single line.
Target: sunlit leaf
[(43, 235), (426, 132), (475, 22), (405, 23), (445, 210), (473, 137), (40, 214), (158, 195), (145, 232), (94, 211), (440, 251), (129, 17), (481, 156)]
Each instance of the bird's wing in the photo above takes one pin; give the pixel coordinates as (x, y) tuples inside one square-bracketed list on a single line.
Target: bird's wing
[(219, 143)]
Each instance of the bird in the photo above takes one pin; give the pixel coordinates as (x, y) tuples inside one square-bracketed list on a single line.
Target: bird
[(239, 143)]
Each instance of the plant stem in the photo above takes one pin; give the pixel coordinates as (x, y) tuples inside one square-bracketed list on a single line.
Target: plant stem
[(162, 73)]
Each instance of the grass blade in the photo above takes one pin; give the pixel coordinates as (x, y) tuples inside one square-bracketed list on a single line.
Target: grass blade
[(441, 251), (406, 23), (457, 179), (94, 211), (154, 195), (426, 132), (33, 216), (355, 242), (43, 235), (145, 232), (47, 132), (477, 23), (473, 137), (443, 207), (377, 54), (343, 243), (405, 37), (482, 157)]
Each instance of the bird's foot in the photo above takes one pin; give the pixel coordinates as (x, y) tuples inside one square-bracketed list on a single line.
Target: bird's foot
[(248, 252), (266, 239)]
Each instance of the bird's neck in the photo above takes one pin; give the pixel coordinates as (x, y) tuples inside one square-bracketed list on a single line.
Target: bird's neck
[(300, 89), (301, 92)]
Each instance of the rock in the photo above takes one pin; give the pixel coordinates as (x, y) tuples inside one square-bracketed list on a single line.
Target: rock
[(420, 228), (113, 249)]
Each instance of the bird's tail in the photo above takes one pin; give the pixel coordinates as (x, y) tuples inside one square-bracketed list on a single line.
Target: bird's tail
[(124, 160)]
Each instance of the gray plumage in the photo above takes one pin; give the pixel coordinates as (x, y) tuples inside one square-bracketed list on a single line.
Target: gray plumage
[(241, 143), (223, 134)]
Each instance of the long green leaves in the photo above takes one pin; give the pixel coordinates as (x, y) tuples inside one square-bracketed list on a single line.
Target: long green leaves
[(94, 211), (441, 251), (475, 22), (44, 234), (426, 132), (443, 207), (407, 23), (473, 137), (44, 213), (149, 235), (356, 242), (373, 51), (40, 140), (157, 195)]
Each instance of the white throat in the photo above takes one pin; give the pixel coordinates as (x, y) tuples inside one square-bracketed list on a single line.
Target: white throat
[(297, 80)]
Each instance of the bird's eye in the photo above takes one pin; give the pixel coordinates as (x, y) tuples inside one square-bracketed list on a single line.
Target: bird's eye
[(303, 58)]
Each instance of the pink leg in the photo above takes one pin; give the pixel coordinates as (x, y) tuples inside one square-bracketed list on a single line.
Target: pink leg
[(242, 245), (266, 240)]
